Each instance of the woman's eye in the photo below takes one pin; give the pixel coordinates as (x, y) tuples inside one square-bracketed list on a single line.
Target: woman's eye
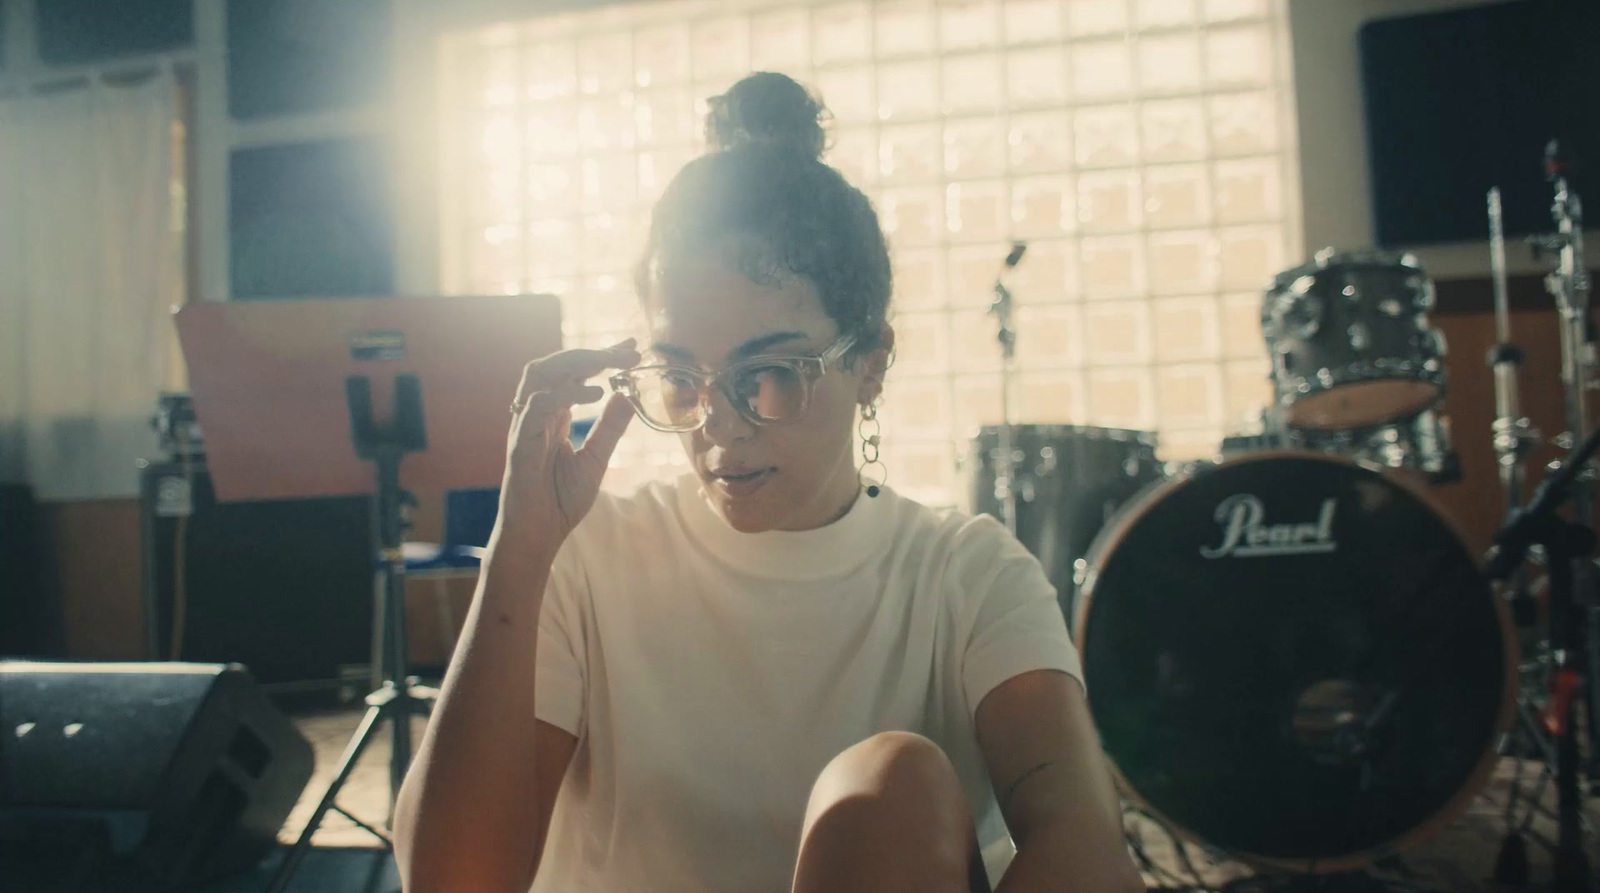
[(680, 388), (772, 392)]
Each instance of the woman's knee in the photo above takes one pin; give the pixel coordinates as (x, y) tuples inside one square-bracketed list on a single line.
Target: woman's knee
[(900, 785), (891, 767)]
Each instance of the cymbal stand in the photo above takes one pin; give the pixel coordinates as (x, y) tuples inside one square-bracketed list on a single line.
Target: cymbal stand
[(1513, 435), (1005, 491), (1567, 544), (399, 698), (1569, 285)]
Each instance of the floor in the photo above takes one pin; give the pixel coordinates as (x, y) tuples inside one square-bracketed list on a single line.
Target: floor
[(1460, 858)]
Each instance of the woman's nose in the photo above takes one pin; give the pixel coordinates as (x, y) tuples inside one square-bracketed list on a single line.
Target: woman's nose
[(724, 424)]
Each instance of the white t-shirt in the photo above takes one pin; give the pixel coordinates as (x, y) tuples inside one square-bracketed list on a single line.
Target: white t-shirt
[(709, 676)]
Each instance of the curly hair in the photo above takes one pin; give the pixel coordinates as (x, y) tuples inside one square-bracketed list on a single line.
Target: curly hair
[(763, 200)]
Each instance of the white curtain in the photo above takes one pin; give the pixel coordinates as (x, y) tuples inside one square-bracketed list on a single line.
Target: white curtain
[(90, 264)]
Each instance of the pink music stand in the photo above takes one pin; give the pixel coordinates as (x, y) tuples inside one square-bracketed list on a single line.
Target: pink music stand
[(310, 398), (268, 384)]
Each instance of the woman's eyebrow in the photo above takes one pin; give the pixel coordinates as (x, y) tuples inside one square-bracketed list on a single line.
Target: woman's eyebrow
[(749, 348), (762, 342), (671, 352)]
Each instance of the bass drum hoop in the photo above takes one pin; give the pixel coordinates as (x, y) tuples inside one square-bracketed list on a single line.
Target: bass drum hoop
[(1123, 521)]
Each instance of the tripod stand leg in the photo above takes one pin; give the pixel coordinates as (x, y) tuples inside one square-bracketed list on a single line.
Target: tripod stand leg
[(352, 752), (399, 667)]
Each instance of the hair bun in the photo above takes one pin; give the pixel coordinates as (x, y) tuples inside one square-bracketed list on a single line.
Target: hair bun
[(767, 108)]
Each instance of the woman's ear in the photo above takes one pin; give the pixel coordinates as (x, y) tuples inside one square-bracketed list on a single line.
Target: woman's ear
[(875, 365)]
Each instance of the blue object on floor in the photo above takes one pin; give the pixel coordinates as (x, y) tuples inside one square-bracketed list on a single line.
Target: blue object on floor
[(469, 516)]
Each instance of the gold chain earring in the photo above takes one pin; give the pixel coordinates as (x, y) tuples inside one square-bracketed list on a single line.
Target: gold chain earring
[(871, 438)]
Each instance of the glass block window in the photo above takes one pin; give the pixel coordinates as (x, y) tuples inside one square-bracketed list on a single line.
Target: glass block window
[(1144, 148)]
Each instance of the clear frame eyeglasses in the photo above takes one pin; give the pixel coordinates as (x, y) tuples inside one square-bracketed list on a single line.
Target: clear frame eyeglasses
[(763, 390)]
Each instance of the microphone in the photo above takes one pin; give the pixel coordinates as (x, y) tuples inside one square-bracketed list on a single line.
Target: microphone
[(1018, 249)]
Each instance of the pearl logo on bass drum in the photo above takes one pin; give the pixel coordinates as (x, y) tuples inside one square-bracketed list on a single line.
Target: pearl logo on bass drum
[(1246, 535)]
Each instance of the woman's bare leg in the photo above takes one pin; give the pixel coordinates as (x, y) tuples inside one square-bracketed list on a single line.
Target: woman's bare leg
[(888, 816)]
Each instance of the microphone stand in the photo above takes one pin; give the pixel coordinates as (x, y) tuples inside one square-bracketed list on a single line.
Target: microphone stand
[(1513, 437), (399, 698), (1005, 491), (1566, 543)]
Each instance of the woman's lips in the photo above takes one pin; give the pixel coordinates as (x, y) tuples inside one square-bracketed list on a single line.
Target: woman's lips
[(741, 481)]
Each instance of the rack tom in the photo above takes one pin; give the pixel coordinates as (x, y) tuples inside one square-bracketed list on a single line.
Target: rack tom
[(1350, 340)]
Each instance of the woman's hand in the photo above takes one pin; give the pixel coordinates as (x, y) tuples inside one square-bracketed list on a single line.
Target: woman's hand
[(548, 485)]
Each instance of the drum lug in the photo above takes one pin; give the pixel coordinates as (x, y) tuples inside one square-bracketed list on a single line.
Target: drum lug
[(1359, 338), (1047, 462)]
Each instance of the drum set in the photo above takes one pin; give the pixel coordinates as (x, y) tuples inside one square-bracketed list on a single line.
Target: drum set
[(1294, 658)]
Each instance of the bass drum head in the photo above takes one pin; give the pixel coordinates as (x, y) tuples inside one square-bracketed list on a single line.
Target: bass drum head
[(1294, 659)]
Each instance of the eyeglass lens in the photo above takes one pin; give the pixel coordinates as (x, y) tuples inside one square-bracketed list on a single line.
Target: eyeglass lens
[(673, 398)]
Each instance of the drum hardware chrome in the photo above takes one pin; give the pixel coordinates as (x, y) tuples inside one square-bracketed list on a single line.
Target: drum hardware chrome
[(1569, 285), (1024, 490), (1358, 336), (1047, 462)]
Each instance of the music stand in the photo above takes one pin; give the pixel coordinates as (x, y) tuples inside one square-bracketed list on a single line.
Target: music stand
[(296, 398)]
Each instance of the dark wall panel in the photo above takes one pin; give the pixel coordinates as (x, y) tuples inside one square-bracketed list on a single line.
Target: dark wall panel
[(311, 219), (77, 31), (1460, 100), (298, 56)]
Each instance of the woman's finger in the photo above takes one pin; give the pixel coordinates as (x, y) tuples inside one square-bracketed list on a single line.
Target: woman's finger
[(542, 403), (570, 366), (603, 437)]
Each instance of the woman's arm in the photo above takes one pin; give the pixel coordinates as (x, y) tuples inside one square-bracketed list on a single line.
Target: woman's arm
[(472, 812), (1044, 758)]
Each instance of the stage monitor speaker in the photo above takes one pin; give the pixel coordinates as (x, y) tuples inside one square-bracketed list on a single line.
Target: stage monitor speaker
[(282, 586), (140, 776), (30, 618)]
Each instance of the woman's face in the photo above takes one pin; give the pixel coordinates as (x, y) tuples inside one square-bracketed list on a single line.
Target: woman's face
[(792, 476)]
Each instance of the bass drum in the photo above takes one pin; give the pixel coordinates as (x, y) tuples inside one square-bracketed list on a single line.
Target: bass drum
[(1295, 659)]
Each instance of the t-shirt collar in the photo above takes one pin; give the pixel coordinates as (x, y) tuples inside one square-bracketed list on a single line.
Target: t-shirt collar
[(832, 550)]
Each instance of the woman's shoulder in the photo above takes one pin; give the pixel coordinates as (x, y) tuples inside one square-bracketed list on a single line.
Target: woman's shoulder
[(953, 533)]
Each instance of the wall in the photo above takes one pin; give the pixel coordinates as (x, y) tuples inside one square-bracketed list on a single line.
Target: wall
[(280, 86)]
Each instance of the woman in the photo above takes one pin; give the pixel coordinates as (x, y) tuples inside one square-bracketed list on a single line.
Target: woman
[(767, 675)]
